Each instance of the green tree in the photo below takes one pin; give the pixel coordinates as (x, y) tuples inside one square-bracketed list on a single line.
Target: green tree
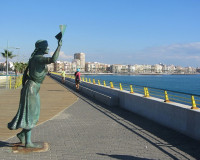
[(7, 54)]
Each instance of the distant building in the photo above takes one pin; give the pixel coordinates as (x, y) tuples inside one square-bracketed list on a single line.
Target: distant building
[(68, 67), (81, 57), (116, 68), (198, 69), (76, 63), (157, 68), (58, 66), (92, 67), (131, 68), (51, 67)]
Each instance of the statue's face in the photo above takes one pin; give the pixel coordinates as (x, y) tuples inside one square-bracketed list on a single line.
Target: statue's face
[(46, 51)]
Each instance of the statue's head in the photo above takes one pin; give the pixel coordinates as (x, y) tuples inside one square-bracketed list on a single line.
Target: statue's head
[(42, 45)]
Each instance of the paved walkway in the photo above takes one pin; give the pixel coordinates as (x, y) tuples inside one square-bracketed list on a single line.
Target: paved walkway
[(54, 99), (92, 131)]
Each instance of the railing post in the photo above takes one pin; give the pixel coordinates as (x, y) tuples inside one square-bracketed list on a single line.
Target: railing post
[(99, 82), (16, 82), (131, 88), (104, 83), (85, 79), (146, 92), (193, 103), (111, 85), (10, 82), (166, 97), (120, 86), (90, 80), (94, 81)]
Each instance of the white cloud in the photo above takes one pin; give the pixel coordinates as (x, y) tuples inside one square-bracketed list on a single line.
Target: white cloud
[(63, 56), (180, 54)]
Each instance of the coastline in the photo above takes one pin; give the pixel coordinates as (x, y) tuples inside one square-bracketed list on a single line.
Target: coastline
[(139, 73)]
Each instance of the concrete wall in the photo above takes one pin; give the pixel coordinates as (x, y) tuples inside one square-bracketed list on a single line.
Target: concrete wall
[(173, 115)]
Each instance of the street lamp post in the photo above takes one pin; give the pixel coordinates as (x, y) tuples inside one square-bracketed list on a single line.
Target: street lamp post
[(7, 56)]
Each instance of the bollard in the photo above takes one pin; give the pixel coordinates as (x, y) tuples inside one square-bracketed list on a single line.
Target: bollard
[(120, 86), (90, 80), (99, 82), (166, 97), (104, 83), (85, 79), (193, 103), (111, 85), (94, 81), (131, 88)]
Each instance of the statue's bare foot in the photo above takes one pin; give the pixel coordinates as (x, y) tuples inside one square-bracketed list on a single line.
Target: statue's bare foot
[(31, 145), (21, 137)]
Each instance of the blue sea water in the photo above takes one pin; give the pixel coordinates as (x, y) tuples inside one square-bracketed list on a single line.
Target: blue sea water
[(182, 83)]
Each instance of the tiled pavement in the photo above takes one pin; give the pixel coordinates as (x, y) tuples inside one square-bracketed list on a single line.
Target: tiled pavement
[(88, 130)]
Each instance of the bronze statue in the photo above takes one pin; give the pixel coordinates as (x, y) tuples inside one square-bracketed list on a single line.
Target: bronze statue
[(29, 106)]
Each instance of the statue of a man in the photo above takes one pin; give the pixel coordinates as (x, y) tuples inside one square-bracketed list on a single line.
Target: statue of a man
[(29, 107)]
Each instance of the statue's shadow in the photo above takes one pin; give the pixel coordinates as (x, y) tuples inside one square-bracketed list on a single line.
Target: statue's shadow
[(6, 144)]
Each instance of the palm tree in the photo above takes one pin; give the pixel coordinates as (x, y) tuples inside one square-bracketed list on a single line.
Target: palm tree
[(20, 67), (7, 54)]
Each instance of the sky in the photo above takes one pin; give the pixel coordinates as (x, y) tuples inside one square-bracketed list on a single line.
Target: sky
[(107, 31)]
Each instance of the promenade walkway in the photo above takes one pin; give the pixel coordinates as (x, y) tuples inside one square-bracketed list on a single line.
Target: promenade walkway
[(87, 130)]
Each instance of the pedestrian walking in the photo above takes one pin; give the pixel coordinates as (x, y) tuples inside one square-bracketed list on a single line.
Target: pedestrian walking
[(77, 78), (63, 75)]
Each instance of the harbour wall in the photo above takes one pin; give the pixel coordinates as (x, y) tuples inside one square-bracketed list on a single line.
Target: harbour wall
[(173, 115)]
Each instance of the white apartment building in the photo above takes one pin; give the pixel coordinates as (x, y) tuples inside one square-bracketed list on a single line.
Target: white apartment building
[(119, 68), (179, 70), (146, 68), (75, 65), (50, 67), (67, 66), (171, 68), (139, 68), (58, 66), (157, 68), (165, 69), (92, 67), (131, 68), (104, 67)]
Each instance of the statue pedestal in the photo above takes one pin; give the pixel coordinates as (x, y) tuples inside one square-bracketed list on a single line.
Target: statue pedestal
[(19, 148)]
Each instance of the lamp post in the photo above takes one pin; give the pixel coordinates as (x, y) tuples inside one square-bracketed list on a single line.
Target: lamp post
[(7, 56)]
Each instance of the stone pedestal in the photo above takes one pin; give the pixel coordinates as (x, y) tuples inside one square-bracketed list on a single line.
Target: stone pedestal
[(19, 148)]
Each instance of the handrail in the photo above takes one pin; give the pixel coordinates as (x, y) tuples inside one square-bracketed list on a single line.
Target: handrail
[(155, 88), (149, 91), (11, 81)]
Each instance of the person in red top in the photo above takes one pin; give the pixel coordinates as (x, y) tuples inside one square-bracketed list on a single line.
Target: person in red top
[(77, 78)]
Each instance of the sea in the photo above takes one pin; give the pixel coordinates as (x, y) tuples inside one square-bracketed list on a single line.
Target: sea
[(189, 84)]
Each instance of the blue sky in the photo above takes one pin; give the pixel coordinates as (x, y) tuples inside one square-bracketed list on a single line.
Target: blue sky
[(107, 31)]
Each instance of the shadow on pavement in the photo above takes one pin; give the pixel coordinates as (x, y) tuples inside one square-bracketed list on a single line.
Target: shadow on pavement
[(141, 126), (6, 144), (122, 157)]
